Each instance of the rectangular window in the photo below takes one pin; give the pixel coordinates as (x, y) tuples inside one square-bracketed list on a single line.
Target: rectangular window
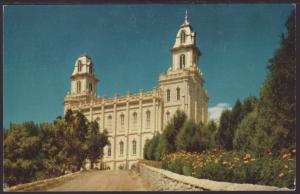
[(168, 95), (148, 119), (134, 147), (121, 148), (178, 93), (134, 121), (109, 150), (109, 123), (122, 121)]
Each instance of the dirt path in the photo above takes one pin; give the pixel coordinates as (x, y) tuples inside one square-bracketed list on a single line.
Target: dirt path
[(119, 180)]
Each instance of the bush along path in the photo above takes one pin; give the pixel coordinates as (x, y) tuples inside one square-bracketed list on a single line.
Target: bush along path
[(236, 167)]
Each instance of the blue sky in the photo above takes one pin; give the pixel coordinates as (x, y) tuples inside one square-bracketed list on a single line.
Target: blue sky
[(130, 47)]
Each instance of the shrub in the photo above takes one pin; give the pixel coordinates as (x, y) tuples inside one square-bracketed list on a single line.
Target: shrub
[(190, 137), (238, 167), (177, 166), (187, 168)]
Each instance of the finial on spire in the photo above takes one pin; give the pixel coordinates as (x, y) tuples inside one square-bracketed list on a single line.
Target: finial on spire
[(186, 17)]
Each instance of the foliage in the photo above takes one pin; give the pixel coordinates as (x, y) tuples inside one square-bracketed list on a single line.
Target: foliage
[(164, 143), (225, 132), (209, 132), (243, 139), (151, 146), (22, 153), (33, 152), (95, 142), (171, 131), (190, 137), (277, 105), (232, 166)]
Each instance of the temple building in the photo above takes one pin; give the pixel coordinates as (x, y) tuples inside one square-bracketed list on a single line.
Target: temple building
[(133, 119)]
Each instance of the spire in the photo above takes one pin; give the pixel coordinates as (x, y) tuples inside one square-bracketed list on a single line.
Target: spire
[(186, 19)]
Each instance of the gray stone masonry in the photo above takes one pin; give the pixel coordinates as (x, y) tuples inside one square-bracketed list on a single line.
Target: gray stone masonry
[(163, 180)]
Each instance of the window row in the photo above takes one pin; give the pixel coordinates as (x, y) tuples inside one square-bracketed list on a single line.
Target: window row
[(121, 148), (169, 94), (134, 120), (89, 86), (79, 67)]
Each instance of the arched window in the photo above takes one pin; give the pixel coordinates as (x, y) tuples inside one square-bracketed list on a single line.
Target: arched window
[(178, 93), (168, 95), (134, 120), (98, 120), (168, 116), (109, 149), (109, 123), (79, 66), (121, 148), (134, 147), (182, 36), (91, 68), (78, 86), (148, 119), (182, 61), (90, 87), (122, 120)]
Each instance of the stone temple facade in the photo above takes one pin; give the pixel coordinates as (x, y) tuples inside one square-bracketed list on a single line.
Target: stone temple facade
[(133, 119)]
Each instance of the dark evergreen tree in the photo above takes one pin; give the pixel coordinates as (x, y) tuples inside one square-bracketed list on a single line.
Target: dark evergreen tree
[(95, 142), (171, 131), (225, 134), (190, 138), (276, 110)]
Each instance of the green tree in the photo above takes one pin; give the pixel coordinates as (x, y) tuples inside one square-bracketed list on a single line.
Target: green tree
[(190, 137), (225, 133), (145, 149), (209, 134), (96, 142), (52, 145), (171, 131), (79, 140), (160, 148), (75, 135), (243, 139), (236, 115), (249, 105), (152, 146), (277, 105), (22, 153)]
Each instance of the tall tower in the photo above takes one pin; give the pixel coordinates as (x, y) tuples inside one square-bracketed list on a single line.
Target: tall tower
[(183, 84), (185, 54), (83, 82)]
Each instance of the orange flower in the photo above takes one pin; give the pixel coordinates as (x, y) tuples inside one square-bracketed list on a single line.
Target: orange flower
[(286, 156), (286, 166), (247, 156), (280, 175), (225, 162)]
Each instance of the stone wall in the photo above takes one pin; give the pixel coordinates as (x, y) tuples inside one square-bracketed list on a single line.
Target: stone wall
[(42, 184), (163, 180)]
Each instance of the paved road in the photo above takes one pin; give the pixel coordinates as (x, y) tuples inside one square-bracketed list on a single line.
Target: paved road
[(119, 180)]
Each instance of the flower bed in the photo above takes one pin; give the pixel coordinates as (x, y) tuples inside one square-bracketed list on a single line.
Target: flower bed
[(153, 163), (219, 165)]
